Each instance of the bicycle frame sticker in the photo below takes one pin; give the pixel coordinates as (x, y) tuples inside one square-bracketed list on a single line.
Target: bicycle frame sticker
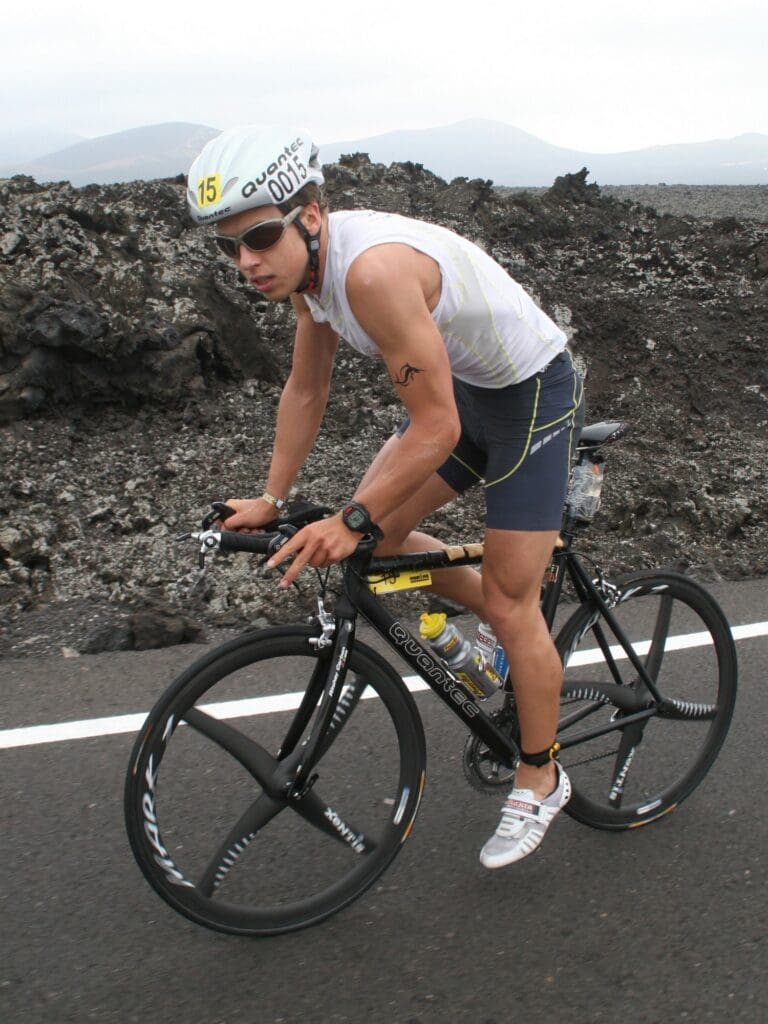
[(399, 581)]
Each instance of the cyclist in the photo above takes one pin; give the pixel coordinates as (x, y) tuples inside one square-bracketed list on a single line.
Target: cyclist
[(489, 390)]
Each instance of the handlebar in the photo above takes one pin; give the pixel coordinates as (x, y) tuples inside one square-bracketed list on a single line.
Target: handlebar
[(299, 514), (254, 543), (267, 542)]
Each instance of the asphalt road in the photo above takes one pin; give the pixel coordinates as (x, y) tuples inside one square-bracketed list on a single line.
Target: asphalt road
[(666, 923)]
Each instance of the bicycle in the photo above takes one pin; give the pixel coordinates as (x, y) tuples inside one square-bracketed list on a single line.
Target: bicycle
[(327, 759)]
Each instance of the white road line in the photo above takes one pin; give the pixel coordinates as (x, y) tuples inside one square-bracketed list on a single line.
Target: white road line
[(60, 732), (675, 643)]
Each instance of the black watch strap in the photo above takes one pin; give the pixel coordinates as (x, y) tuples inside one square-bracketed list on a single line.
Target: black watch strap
[(357, 517)]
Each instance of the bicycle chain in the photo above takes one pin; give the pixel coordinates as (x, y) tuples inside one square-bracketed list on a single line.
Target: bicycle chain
[(595, 757), (476, 760)]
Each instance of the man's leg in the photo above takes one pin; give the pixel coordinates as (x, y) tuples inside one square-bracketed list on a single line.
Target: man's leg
[(513, 568), (507, 596), (515, 562)]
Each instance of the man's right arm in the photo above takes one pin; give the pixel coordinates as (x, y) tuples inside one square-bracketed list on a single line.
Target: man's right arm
[(299, 416)]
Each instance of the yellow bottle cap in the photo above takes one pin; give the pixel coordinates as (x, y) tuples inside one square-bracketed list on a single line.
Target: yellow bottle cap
[(432, 625)]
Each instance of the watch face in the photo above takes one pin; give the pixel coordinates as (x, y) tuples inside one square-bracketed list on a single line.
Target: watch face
[(355, 518)]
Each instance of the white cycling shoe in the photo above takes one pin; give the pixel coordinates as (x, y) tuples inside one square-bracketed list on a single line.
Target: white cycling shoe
[(524, 822)]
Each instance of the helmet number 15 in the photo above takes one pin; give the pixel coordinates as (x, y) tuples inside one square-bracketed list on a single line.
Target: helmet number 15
[(209, 190)]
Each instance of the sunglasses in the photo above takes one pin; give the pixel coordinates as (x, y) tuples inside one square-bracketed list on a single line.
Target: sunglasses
[(259, 237)]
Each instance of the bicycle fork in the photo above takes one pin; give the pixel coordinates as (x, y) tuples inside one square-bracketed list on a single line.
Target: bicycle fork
[(334, 707)]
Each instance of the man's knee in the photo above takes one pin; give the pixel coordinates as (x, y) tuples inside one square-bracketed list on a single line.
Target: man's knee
[(512, 614), (510, 611)]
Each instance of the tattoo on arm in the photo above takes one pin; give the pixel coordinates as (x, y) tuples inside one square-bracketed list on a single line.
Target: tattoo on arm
[(407, 373)]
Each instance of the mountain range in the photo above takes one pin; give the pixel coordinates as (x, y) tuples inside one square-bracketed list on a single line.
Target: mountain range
[(475, 148)]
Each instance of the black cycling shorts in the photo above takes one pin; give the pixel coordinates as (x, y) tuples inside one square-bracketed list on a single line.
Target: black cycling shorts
[(518, 442)]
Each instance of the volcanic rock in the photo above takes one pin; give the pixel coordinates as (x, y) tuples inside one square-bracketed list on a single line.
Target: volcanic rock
[(139, 379)]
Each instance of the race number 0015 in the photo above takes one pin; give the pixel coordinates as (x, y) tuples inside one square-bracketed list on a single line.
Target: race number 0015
[(209, 190)]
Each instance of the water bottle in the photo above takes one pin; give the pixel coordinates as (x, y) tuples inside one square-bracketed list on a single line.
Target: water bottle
[(491, 652), (585, 487), (464, 661)]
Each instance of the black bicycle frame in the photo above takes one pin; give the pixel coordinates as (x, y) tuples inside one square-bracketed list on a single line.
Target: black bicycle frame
[(450, 690), (421, 660), (566, 561)]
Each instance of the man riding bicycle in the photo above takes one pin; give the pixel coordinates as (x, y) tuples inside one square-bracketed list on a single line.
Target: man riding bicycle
[(489, 389)]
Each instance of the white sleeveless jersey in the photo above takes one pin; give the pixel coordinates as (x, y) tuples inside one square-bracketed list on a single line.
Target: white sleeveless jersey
[(494, 332)]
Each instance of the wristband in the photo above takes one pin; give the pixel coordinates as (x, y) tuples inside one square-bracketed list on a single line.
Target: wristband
[(278, 503)]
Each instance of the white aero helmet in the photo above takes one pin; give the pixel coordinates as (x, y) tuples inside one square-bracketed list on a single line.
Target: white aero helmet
[(247, 167)]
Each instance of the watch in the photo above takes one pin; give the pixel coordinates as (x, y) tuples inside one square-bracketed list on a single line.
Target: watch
[(356, 517)]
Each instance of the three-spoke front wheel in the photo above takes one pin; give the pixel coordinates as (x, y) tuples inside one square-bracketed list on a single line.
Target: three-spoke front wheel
[(208, 812)]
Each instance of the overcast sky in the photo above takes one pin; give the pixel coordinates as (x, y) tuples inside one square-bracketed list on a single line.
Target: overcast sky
[(603, 75)]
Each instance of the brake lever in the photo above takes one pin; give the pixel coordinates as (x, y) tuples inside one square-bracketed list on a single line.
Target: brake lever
[(218, 513), (210, 540)]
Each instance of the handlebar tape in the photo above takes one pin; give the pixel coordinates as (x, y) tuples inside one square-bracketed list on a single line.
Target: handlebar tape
[(256, 543)]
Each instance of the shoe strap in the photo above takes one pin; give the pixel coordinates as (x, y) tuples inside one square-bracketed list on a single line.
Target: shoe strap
[(529, 810)]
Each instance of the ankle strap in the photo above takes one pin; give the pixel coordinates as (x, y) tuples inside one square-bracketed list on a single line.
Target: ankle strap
[(542, 757)]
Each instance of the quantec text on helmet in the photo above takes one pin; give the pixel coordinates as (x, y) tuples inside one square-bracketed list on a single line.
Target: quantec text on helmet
[(281, 183), (248, 167)]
